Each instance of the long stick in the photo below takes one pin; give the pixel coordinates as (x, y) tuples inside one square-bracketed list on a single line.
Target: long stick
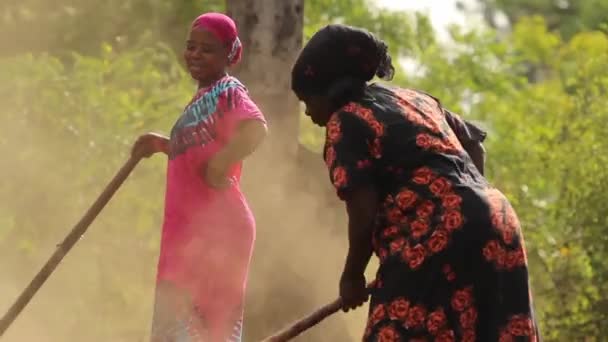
[(70, 240), (306, 323), (309, 321)]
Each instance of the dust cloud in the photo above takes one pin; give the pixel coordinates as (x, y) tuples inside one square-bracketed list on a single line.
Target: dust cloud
[(103, 289), (58, 153), (300, 251)]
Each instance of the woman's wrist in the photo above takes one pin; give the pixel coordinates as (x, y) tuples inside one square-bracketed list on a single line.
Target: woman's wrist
[(357, 260), (162, 145)]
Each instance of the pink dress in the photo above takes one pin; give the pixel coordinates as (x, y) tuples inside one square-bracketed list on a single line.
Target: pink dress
[(208, 233)]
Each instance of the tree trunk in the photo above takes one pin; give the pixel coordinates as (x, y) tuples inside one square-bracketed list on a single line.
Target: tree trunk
[(282, 184), (271, 32)]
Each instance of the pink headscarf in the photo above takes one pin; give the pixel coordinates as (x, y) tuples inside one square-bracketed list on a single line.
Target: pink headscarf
[(225, 29)]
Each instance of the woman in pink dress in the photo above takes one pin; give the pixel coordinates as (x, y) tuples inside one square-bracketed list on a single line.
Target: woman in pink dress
[(209, 230)]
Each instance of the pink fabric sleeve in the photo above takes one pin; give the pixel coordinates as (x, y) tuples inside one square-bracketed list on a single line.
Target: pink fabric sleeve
[(245, 108), (238, 107)]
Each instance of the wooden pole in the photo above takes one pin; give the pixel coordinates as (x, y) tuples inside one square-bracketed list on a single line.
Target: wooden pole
[(309, 321), (306, 323), (70, 240)]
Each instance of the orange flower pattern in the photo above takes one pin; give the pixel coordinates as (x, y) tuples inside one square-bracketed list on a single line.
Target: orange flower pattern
[(507, 250), (446, 240), (519, 328), (424, 111)]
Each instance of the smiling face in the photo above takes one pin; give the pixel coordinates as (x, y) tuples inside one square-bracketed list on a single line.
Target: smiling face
[(318, 108), (206, 56)]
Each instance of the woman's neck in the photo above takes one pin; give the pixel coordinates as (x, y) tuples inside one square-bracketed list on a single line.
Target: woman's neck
[(208, 82)]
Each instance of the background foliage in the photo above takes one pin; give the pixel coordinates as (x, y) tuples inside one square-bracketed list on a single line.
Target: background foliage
[(80, 79)]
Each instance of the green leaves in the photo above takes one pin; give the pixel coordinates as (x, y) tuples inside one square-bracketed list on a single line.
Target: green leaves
[(69, 126), (542, 100), (404, 32), (567, 18), (545, 138)]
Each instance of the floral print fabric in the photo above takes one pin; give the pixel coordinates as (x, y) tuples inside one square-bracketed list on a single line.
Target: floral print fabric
[(453, 265)]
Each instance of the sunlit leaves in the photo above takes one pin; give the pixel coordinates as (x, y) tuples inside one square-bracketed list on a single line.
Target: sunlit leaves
[(542, 100)]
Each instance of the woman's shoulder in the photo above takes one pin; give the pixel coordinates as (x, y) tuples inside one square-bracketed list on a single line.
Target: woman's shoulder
[(404, 93), (384, 102), (237, 97), (226, 88), (234, 88), (234, 82), (380, 95)]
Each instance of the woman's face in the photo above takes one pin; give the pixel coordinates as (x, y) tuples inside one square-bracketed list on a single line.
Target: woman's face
[(205, 55), (318, 108)]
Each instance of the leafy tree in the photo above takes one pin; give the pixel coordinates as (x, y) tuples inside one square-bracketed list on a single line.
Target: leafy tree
[(543, 152), (69, 25), (69, 119), (566, 17), (68, 129)]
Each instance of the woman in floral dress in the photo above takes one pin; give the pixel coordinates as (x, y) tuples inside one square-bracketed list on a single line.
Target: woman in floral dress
[(453, 263)]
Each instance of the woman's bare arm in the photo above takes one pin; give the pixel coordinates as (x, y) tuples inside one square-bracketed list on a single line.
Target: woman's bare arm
[(248, 136)]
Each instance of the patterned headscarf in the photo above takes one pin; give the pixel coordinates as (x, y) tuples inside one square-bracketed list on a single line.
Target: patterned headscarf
[(224, 28), (340, 56)]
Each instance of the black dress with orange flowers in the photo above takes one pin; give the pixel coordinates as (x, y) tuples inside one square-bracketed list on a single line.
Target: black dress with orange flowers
[(453, 264)]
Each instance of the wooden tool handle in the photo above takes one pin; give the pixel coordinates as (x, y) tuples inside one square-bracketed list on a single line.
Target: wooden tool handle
[(306, 323), (64, 247), (309, 321)]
